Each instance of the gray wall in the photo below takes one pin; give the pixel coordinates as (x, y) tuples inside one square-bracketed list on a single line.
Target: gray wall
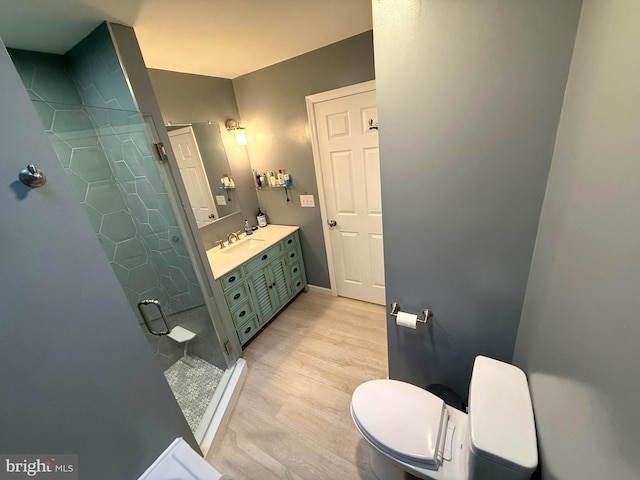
[(77, 375), (579, 332), (273, 110), (187, 98), (469, 97)]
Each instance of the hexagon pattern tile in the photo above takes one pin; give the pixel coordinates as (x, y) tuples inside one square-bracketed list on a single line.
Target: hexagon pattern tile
[(107, 157)]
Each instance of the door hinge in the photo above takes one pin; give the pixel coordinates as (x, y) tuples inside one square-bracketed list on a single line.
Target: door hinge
[(161, 151), (228, 348)]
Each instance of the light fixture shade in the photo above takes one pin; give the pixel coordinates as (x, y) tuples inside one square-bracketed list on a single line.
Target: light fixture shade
[(237, 131), (241, 136)]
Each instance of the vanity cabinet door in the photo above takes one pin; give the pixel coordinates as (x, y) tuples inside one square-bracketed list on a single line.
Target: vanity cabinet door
[(271, 289), (261, 287), (280, 285)]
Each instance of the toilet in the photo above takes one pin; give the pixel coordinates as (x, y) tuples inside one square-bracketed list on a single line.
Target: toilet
[(412, 431)]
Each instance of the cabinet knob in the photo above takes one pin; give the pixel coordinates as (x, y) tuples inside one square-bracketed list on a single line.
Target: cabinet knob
[(264, 257), (247, 330), (242, 313), (236, 296)]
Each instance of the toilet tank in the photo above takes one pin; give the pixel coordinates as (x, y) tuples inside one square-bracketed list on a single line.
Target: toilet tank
[(502, 436)]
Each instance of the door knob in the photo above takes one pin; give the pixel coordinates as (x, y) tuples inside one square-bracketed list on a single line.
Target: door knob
[(332, 223), (32, 176)]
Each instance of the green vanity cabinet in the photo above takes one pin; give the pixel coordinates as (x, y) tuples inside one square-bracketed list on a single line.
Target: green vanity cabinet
[(259, 288)]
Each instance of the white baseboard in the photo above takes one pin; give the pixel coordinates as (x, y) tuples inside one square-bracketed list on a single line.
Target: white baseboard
[(322, 290)]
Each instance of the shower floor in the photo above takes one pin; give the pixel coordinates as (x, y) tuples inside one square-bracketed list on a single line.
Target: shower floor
[(193, 387)]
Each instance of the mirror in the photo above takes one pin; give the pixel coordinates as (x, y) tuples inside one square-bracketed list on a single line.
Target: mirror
[(202, 160)]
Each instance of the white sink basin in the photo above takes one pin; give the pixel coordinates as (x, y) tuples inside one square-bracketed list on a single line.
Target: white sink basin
[(244, 246)]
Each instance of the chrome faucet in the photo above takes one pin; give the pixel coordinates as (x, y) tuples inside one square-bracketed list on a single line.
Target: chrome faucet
[(230, 237)]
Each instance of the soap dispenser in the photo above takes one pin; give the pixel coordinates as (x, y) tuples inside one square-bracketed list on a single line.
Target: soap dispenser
[(262, 218), (247, 228)]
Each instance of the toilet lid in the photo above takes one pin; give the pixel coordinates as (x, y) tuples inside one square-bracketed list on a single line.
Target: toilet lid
[(401, 418)]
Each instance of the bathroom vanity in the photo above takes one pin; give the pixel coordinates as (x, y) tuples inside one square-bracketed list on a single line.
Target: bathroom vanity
[(257, 276)]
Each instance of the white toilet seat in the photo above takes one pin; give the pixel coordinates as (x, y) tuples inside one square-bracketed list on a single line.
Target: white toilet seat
[(401, 420)]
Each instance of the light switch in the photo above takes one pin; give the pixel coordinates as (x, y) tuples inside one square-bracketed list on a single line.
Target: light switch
[(220, 200), (307, 201)]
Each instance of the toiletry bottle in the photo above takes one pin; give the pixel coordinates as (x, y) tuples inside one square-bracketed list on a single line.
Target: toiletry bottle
[(272, 179), (232, 184), (262, 218), (265, 180), (254, 175), (225, 180), (280, 177), (287, 180), (247, 228)]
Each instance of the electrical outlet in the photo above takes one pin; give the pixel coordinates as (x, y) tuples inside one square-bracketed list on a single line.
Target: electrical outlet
[(307, 201)]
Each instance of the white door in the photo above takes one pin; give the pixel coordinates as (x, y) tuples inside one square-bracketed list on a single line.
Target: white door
[(194, 176), (349, 160)]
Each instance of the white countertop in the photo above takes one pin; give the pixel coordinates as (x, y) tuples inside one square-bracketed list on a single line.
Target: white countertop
[(224, 260)]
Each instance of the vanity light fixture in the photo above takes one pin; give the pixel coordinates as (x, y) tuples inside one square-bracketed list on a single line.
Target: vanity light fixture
[(237, 131)]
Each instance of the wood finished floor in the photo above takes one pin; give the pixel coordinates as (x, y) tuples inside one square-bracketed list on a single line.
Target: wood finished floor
[(292, 418)]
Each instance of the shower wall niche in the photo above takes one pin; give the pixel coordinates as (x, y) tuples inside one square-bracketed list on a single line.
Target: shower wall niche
[(104, 146)]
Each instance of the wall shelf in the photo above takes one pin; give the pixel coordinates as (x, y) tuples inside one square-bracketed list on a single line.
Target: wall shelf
[(276, 187)]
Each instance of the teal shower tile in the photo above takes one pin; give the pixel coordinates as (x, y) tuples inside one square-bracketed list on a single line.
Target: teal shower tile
[(101, 78), (105, 196), (138, 208), (121, 273), (54, 84), (169, 286), (100, 116), (78, 184), (63, 151), (45, 112), (111, 145), (110, 58), (187, 269), (133, 297), (153, 176), (119, 120), (108, 246), (179, 279), (151, 241), (172, 259), (157, 222), (146, 193), (118, 226), (132, 158), (124, 177), (164, 207), (141, 140), (75, 128), (142, 278), (130, 254), (91, 164), (23, 62), (95, 217), (164, 244), (160, 263)]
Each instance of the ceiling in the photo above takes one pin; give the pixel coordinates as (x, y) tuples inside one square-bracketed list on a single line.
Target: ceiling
[(207, 37)]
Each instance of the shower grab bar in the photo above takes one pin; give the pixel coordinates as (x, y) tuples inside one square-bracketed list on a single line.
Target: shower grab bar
[(146, 319)]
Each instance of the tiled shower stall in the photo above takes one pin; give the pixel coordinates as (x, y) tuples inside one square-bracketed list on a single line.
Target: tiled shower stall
[(104, 146)]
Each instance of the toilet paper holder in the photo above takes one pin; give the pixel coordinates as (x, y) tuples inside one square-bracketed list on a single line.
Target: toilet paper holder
[(426, 313)]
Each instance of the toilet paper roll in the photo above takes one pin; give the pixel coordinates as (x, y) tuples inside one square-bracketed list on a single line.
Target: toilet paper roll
[(406, 320)]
